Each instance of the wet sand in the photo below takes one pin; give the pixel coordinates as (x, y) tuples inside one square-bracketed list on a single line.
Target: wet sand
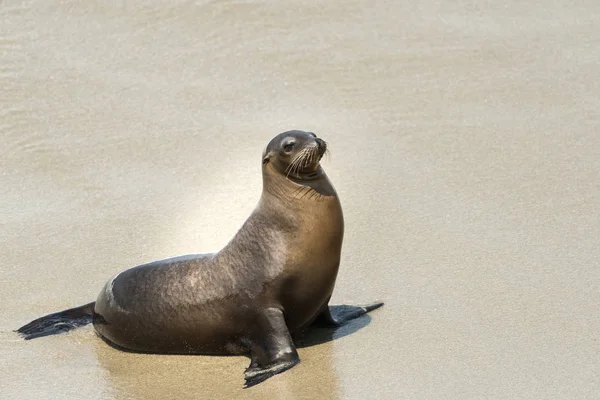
[(465, 148)]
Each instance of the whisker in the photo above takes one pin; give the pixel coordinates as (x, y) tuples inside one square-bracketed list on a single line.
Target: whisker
[(293, 161), (327, 153), (303, 159), (300, 161), (309, 156), (306, 158), (290, 168)]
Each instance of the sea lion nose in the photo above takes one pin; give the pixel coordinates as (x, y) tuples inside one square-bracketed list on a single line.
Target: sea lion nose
[(320, 143)]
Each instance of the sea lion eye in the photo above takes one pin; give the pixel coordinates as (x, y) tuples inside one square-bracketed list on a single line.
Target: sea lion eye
[(288, 147)]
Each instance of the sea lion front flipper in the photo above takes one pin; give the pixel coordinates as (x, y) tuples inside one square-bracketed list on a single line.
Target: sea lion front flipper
[(272, 350), (334, 316)]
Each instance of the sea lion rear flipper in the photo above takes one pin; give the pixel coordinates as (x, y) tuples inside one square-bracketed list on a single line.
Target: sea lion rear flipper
[(59, 322), (334, 316), (272, 350)]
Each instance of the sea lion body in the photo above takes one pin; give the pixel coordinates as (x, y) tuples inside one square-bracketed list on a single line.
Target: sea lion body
[(274, 278)]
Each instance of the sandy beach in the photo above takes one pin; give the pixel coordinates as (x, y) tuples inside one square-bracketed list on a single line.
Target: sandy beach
[(465, 148)]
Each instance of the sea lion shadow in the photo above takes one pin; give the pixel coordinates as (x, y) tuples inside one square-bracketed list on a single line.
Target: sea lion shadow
[(316, 335)]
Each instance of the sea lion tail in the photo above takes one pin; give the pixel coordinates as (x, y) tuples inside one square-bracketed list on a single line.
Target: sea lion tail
[(59, 322)]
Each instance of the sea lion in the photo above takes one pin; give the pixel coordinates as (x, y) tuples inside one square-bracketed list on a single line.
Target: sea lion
[(272, 280)]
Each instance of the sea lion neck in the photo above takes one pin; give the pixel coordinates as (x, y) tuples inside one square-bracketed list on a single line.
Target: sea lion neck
[(292, 189)]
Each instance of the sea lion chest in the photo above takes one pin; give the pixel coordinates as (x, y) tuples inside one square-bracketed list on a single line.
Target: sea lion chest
[(312, 260)]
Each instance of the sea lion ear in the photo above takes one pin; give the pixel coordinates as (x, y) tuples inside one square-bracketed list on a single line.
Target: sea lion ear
[(266, 157)]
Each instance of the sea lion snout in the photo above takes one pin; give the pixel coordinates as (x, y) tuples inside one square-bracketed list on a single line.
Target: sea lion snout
[(322, 145)]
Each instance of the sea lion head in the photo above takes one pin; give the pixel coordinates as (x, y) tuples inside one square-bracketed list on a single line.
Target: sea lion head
[(295, 154)]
